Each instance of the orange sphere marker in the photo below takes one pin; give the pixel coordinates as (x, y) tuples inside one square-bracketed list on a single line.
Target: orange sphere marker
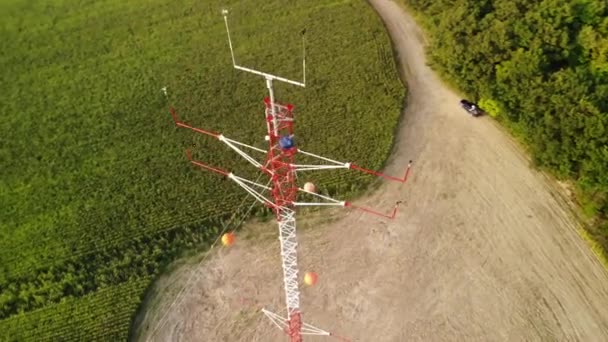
[(310, 187), (228, 239), (310, 278)]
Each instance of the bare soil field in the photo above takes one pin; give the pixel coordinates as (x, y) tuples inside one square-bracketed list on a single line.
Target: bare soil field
[(483, 249)]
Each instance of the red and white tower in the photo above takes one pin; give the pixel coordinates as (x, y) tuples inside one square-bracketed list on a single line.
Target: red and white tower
[(280, 165)]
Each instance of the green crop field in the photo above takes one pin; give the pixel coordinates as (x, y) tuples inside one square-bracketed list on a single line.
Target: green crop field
[(97, 196)]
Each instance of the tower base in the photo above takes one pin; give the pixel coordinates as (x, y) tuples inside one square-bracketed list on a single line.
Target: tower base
[(286, 324)]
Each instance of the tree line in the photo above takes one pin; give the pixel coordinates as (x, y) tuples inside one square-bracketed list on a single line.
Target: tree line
[(541, 68)]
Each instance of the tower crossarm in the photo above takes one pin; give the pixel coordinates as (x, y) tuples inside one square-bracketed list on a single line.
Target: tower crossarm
[(246, 184), (269, 77), (337, 203), (233, 144), (342, 165)]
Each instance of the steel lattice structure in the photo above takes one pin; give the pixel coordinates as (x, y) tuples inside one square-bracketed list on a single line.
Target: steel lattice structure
[(280, 165)]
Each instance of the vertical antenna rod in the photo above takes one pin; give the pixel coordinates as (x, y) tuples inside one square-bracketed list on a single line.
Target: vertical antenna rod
[(225, 14), (304, 56)]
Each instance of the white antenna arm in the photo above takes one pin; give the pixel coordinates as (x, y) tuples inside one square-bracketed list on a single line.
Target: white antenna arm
[(225, 13), (268, 77), (304, 56)]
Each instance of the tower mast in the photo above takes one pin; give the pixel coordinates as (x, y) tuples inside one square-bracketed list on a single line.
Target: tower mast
[(281, 167)]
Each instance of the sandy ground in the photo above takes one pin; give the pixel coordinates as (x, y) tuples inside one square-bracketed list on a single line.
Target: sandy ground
[(483, 248)]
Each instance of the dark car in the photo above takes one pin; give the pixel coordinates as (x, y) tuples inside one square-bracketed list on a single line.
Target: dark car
[(471, 108)]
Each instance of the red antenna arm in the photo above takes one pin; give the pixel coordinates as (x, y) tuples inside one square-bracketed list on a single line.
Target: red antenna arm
[(205, 166), (376, 173), (181, 124), (371, 211)]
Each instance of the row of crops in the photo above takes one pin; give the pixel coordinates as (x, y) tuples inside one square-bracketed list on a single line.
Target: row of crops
[(102, 316)]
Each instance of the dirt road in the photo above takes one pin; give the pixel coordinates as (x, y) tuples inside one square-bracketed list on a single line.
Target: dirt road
[(481, 250)]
